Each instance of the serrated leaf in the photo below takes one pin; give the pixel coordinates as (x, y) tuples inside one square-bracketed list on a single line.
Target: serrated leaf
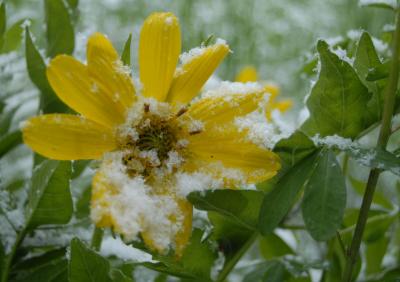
[(126, 53), (86, 265), (50, 200), (9, 141), (278, 202), (49, 102), (338, 99), (13, 37), (59, 32), (3, 19), (242, 206), (324, 198)]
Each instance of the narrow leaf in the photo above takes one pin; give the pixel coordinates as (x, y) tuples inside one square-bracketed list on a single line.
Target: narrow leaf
[(13, 37), (126, 53), (3, 19), (9, 141), (60, 32), (324, 198), (278, 202)]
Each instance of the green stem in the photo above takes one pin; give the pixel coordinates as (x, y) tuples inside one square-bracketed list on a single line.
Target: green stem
[(10, 257), (97, 237), (384, 134), (234, 260)]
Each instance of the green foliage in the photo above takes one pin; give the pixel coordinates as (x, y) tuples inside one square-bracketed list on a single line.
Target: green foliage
[(338, 99), (324, 197), (126, 53), (9, 140), (60, 32), (50, 199)]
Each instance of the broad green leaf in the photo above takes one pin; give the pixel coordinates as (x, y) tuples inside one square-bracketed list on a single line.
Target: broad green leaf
[(13, 37), (86, 265), (379, 72), (83, 203), (338, 99), (374, 254), (278, 202), (272, 246), (49, 102), (60, 32), (126, 53), (376, 158), (379, 198), (294, 148), (366, 59), (9, 141), (118, 276), (50, 266), (195, 264), (324, 198), (3, 19), (78, 167), (270, 271), (242, 206), (50, 199), (73, 4)]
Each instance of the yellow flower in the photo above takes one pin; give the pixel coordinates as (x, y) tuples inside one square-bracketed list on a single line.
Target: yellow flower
[(249, 74), (156, 143)]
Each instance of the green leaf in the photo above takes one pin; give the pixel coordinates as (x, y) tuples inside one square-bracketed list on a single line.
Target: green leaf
[(13, 37), (324, 198), (270, 271), (366, 59), (379, 4), (126, 53), (5, 120), (376, 158), (242, 206), (379, 198), (374, 254), (60, 32), (49, 102), (278, 202), (379, 72), (50, 199), (83, 203), (9, 141), (272, 246), (338, 99), (73, 4), (3, 19), (86, 265)]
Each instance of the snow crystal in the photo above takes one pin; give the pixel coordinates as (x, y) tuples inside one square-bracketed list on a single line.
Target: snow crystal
[(227, 88), (169, 20), (188, 56), (197, 181), (342, 54), (335, 141), (217, 266)]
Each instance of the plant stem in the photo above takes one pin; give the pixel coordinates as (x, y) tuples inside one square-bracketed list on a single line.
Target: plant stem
[(97, 237), (383, 139), (234, 260), (10, 257)]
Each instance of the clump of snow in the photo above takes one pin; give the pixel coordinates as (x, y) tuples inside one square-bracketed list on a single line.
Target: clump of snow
[(334, 141), (391, 3), (188, 56), (227, 89), (197, 181), (342, 54), (217, 266), (115, 247)]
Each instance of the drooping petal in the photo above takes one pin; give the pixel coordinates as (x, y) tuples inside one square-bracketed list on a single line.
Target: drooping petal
[(159, 49), (190, 78), (247, 74), (108, 72), (71, 81), (67, 137), (230, 147)]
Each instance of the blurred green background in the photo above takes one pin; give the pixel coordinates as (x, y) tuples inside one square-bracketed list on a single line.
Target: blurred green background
[(274, 36)]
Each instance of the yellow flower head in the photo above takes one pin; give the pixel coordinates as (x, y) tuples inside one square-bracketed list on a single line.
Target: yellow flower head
[(156, 143), (249, 74)]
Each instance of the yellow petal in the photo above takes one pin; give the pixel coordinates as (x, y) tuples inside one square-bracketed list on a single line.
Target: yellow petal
[(67, 137), (159, 49), (185, 214), (108, 72), (71, 81), (230, 147), (273, 90), (190, 78), (284, 105), (218, 110), (247, 74)]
